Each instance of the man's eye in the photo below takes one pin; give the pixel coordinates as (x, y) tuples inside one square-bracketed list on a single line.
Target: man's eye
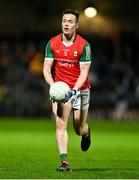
[(71, 22)]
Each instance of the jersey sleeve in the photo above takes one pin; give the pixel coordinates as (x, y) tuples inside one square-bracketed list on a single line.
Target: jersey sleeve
[(48, 52), (86, 56)]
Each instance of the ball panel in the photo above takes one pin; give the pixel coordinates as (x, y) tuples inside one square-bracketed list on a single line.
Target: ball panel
[(58, 91)]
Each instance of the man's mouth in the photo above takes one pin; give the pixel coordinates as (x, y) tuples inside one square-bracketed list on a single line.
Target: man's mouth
[(66, 29)]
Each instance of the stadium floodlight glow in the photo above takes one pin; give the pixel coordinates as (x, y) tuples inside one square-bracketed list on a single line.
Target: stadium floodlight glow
[(90, 12)]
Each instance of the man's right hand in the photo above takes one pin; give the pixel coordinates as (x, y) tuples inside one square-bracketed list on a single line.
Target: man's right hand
[(52, 99)]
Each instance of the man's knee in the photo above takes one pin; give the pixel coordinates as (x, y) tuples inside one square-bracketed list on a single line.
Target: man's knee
[(60, 123)]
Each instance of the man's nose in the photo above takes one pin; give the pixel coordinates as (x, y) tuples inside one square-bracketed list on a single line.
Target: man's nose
[(66, 24)]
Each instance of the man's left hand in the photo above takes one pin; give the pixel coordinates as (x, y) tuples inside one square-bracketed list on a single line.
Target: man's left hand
[(69, 95)]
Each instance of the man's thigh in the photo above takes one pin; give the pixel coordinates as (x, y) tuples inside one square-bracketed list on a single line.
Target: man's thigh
[(61, 110)]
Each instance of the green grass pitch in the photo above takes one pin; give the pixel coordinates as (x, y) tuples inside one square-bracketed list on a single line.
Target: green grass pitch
[(28, 150)]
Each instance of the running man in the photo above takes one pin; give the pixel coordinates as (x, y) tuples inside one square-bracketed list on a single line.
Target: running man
[(70, 55)]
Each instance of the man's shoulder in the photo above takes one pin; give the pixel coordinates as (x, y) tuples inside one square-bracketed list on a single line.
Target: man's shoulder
[(81, 39), (55, 38)]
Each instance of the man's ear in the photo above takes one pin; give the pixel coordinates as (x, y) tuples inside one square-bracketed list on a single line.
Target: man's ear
[(77, 25)]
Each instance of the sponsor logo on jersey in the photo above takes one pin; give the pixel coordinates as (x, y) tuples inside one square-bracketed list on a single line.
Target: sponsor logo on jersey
[(66, 62)]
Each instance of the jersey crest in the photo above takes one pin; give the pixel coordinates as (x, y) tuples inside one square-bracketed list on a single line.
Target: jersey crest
[(75, 53)]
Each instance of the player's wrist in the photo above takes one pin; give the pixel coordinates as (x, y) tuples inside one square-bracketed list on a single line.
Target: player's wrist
[(74, 91)]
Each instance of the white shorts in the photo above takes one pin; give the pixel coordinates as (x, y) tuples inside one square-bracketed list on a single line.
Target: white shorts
[(81, 100)]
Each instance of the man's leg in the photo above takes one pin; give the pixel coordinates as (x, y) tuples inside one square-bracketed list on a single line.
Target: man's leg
[(80, 121), (62, 112), (80, 112), (82, 128)]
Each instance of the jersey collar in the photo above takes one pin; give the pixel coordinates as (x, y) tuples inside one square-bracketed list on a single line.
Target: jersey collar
[(72, 40)]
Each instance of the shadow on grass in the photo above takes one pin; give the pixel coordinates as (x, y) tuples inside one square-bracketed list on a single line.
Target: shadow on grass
[(105, 169)]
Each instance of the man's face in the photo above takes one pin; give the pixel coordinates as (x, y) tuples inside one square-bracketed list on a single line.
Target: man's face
[(69, 24)]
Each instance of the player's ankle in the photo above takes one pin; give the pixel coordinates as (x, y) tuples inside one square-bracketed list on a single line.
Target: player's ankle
[(64, 158)]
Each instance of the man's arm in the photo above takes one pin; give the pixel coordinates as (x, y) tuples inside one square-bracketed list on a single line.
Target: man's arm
[(85, 62), (47, 66), (84, 70)]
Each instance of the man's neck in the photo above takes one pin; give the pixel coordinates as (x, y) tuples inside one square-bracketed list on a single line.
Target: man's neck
[(68, 38)]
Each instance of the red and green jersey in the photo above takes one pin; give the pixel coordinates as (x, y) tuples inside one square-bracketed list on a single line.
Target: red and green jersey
[(67, 59)]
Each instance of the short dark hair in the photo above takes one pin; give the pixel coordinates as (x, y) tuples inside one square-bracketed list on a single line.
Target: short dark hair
[(72, 11)]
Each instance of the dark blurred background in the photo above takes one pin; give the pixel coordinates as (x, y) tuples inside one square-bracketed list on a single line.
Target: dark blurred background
[(26, 27)]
